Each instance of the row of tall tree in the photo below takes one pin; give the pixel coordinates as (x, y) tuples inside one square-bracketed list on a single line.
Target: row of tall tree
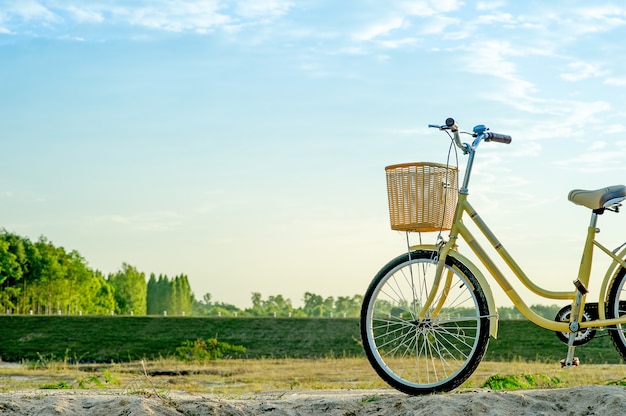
[(169, 296), (41, 278)]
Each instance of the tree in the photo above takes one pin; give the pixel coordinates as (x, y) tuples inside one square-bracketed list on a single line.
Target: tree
[(274, 305), (207, 307), (130, 290), (97, 296), (162, 302), (49, 267), (10, 267), (10, 270), (350, 306), (207, 298), (313, 304), (278, 305), (186, 296), (152, 297)]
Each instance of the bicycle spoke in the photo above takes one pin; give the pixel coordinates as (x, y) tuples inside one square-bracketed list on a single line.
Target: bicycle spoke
[(433, 351)]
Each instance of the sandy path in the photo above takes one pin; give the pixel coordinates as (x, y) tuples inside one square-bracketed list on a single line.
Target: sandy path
[(589, 400)]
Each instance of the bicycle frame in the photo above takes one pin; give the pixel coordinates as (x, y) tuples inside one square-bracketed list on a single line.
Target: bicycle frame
[(584, 273), (427, 315)]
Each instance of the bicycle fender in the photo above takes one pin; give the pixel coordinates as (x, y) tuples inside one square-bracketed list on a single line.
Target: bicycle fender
[(493, 310), (608, 278)]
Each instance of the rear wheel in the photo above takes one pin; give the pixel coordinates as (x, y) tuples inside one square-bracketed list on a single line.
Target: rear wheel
[(438, 353), (616, 308)]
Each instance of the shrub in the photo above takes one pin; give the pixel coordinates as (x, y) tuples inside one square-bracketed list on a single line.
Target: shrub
[(209, 349), (517, 382)]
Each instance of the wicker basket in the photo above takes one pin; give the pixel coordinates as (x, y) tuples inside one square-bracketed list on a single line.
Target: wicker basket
[(422, 196)]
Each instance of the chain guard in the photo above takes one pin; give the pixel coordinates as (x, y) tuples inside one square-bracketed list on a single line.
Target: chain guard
[(583, 336)]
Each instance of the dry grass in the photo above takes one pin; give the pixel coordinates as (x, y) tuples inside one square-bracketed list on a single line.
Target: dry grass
[(236, 377)]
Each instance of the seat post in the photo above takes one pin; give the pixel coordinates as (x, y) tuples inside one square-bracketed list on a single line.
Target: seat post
[(585, 263), (581, 284), (594, 219)]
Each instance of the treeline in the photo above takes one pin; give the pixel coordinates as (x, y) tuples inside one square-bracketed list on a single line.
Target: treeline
[(41, 278), (279, 306), (511, 312)]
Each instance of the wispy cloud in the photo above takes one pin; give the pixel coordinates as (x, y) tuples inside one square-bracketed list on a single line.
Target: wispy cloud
[(596, 146), (616, 81), (31, 11), (430, 7), (579, 70), (600, 18), (82, 15), (159, 221), (597, 160), (178, 17), (198, 16), (493, 58), (379, 29), (262, 8), (491, 5)]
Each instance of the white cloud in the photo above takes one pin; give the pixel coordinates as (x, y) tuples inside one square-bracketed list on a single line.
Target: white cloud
[(491, 5), (397, 43), (32, 10), (179, 16), (262, 8), (614, 129), (144, 222), (599, 18), (597, 162), (527, 149), (580, 70), (599, 157), (446, 6), (85, 16), (616, 81), (492, 58), (499, 18), (427, 8), (496, 59), (418, 8), (169, 15), (597, 146), (380, 29), (439, 24)]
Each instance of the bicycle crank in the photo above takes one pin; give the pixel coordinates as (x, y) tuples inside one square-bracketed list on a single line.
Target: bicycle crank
[(584, 335)]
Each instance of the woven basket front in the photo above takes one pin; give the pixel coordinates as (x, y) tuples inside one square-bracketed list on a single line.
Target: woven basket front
[(422, 196)]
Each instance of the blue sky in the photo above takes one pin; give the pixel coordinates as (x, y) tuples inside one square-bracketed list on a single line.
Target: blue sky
[(243, 143)]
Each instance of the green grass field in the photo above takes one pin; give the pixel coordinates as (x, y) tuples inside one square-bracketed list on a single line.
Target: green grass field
[(122, 339)]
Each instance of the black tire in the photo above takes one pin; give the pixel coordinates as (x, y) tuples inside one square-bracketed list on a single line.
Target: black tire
[(615, 308), (439, 353)]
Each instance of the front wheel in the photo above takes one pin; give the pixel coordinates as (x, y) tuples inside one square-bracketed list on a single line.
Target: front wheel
[(616, 308), (436, 353)]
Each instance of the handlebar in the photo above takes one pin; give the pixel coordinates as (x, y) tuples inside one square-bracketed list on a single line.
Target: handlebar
[(480, 132), (499, 138)]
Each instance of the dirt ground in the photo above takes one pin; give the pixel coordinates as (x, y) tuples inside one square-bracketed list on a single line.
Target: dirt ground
[(587, 400)]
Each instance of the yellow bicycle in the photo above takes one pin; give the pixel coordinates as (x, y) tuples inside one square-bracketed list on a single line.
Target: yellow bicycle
[(427, 315)]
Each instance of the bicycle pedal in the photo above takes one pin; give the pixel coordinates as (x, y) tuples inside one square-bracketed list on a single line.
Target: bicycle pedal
[(575, 362)]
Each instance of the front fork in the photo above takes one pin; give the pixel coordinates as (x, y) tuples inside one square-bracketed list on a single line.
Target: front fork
[(442, 256)]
